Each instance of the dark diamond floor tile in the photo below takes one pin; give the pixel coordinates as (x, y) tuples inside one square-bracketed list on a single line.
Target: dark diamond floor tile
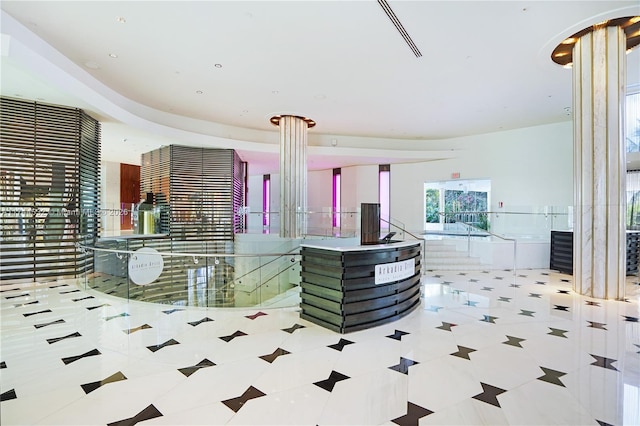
[(60, 321), (9, 289), (403, 365), (630, 319), (170, 342), (236, 404), (489, 394), (473, 280), (70, 291), (10, 394), (293, 328), (196, 323), (413, 416), (536, 295), (591, 303), (187, 371), (36, 313), (329, 383), (233, 336), (341, 344), (563, 291), (526, 313), (133, 330), (552, 376), (397, 335), (446, 326), (463, 352), (59, 285), (487, 288), (515, 285), (514, 341), (599, 325), (151, 412), (34, 302), (3, 364), (541, 282), (561, 308), (601, 423), (124, 314), (90, 387), (16, 296), (557, 332), (604, 362), (275, 354), (69, 360), (68, 336), (256, 315), (504, 299)]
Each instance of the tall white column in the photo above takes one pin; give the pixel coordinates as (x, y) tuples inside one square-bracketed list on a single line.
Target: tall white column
[(599, 248), (293, 174)]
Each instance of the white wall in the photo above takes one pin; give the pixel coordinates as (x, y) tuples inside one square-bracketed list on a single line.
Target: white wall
[(528, 168)]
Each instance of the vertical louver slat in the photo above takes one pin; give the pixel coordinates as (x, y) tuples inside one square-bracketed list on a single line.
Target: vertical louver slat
[(49, 163)]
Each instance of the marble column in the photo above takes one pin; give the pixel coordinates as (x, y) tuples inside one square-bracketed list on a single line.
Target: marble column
[(599, 248), (293, 174)]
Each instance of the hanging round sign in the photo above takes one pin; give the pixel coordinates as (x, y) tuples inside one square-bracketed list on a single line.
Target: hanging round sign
[(145, 266)]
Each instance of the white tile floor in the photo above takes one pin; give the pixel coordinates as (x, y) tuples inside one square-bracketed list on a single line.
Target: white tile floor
[(484, 348)]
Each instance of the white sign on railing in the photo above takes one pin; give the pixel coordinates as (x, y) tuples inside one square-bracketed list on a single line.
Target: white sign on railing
[(389, 272), (145, 266)]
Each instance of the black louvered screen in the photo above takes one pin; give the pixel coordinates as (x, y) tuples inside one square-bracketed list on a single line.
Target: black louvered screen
[(204, 188), (49, 189)]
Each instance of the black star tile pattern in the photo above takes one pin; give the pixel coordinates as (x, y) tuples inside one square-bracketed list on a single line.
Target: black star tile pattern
[(552, 376), (124, 314), (233, 336), (599, 325), (83, 298), (329, 383), (70, 291), (275, 354), (515, 285), (397, 335), (90, 387), (514, 341), (463, 352), (3, 364), (151, 412), (489, 394), (473, 280), (91, 308), (601, 423), (170, 342), (59, 285), (195, 323), (341, 344), (604, 362), (256, 315), (592, 303), (171, 311), (446, 326), (403, 365), (9, 289), (504, 299), (187, 371), (490, 319), (10, 394), (413, 416), (70, 359), (293, 328), (59, 321), (563, 291), (471, 303), (34, 302), (558, 332), (487, 288), (133, 330), (630, 319), (236, 404), (561, 308), (36, 313), (16, 296), (541, 283), (536, 295), (68, 336), (526, 313)]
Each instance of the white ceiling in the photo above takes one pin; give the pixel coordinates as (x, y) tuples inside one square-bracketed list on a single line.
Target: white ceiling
[(485, 67)]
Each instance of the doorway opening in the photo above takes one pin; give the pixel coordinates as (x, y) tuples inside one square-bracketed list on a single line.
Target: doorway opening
[(450, 202)]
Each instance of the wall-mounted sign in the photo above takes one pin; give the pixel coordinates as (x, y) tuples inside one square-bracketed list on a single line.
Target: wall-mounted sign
[(390, 272), (145, 266)]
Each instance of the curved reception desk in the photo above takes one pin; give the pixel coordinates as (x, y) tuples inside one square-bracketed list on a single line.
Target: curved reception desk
[(352, 287)]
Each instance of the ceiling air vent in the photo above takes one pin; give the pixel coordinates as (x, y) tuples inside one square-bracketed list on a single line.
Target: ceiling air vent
[(407, 38)]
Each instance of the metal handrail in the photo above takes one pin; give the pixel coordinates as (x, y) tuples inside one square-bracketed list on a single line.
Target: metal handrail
[(515, 242)]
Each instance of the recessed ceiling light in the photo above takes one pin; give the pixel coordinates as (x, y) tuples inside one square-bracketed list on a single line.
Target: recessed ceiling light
[(92, 65), (218, 65), (113, 55), (199, 92), (275, 92), (121, 20)]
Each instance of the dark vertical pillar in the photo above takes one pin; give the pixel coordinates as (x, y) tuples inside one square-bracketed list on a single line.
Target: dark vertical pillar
[(369, 223)]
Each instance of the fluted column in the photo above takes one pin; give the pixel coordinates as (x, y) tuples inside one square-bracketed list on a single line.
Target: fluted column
[(293, 174), (599, 249)]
